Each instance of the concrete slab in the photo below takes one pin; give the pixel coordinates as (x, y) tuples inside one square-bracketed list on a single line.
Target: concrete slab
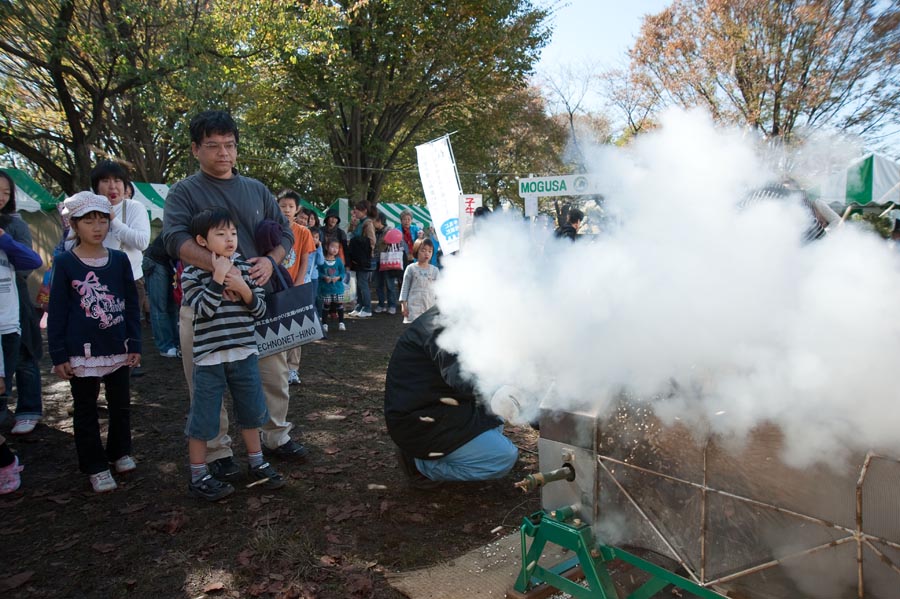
[(484, 573)]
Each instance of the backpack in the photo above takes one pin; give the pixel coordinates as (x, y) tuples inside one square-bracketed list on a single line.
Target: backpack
[(360, 253)]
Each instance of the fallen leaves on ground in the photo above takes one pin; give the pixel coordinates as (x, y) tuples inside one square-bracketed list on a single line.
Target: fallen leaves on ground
[(15, 581)]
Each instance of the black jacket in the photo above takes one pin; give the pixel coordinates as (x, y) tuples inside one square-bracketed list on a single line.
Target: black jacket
[(567, 230), (418, 376)]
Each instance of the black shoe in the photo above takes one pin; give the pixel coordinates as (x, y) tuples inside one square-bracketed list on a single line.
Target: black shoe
[(137, 372), (290, 450), (224, 469), (416, 479), (265, 472), (210, 489)]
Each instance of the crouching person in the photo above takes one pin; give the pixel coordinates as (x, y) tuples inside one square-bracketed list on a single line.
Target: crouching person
[(442, 431), (226, 303)]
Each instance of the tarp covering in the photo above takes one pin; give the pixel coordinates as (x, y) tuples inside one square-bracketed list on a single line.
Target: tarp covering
[(30, 196), (873, 179)]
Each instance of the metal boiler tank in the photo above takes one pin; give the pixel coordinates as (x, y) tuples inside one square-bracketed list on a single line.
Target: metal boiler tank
[(736, 519)]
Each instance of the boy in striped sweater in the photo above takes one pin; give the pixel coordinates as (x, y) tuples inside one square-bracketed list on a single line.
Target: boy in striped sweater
[(226, 302)]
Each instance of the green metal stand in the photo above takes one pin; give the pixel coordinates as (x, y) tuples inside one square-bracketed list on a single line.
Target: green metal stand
[(562, 528)]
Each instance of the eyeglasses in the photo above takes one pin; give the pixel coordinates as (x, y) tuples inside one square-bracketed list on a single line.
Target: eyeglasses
[(213, 146)]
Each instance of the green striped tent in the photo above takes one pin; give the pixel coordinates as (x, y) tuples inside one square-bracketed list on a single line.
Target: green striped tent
[(420, 214), (152, 196), (872, 179), (30, 196)]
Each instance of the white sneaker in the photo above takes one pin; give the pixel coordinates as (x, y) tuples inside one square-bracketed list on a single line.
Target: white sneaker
[(171, 353), (125, 464), (293, 377), (342, 326), (380, 309), (364, 314), (324, 328), (392, 310), (24, 426), (355, 312), (103, 482)]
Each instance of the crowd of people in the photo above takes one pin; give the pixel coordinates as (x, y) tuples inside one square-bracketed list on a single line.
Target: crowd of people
[(226, 242)]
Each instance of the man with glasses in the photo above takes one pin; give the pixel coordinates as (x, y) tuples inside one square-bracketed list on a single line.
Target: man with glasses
[(214, 141)]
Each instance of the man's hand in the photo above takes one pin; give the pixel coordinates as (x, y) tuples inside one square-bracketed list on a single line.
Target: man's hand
[(261, 271), (221, 267), (64, 371), (508, 403), (2, 385)]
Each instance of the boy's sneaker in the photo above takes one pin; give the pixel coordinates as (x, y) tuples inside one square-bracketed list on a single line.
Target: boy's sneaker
[(355, 312), (324, 328), (210, 489), (364, 314), (9, 477), (293, 377), (265, 472), (169, 353), (103, 482), (379, 309), (342, 326), (24, 426), (224, 469), (125, 464), (392, 310)]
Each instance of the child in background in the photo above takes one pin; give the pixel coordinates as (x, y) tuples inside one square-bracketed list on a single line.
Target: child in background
[(94, 334), (10, 480), (316, 259), (297, 263), (331, 285), (417, 292), (224, 353), (14, 256)]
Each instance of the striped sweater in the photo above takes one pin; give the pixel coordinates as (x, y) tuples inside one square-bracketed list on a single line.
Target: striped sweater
[(221, 326)]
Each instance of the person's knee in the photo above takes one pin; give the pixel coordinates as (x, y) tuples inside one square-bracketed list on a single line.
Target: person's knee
[(506, 460)]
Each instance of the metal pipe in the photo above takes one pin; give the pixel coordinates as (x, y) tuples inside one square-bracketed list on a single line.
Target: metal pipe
[(539, 479)]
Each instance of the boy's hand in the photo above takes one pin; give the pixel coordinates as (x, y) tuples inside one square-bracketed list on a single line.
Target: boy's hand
[(404, 309), (2, 385), (221, 267), (133, 360)]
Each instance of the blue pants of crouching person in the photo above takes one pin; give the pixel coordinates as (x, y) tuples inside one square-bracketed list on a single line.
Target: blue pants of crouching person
[(488, 456)]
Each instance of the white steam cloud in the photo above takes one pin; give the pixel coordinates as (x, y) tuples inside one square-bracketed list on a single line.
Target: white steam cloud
[(727, 307)]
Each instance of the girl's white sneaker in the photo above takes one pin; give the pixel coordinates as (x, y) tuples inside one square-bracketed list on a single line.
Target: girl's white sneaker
[(125, 464), (103, 482)]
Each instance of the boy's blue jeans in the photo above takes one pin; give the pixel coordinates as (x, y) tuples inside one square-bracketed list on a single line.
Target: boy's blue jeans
[(242, 380), (488, 456)]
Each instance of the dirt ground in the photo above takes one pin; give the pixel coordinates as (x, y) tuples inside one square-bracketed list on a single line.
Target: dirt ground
[(345, 518)]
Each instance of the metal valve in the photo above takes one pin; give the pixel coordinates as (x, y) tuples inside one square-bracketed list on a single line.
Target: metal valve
[(539, 479)]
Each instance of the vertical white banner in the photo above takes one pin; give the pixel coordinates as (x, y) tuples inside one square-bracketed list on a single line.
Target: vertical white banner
[(531, 205), (441, 184), (467, 205)]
